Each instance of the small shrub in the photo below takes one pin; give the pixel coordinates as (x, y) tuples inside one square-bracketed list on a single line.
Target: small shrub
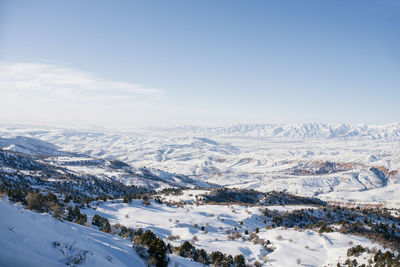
[(102, 223), (355, 251), (239, 261)]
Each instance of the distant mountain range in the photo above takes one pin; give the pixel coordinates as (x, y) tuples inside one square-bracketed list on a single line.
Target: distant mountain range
[(299, 130)]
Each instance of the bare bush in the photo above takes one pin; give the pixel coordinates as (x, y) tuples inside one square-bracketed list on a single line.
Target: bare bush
[(194, 239), (173, 237), (265, 258)]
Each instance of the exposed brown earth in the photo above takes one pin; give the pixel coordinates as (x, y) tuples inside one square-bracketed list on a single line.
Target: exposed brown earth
[(318, 167)]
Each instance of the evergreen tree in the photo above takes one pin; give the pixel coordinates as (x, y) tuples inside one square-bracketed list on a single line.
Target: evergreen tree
[(239, 261)]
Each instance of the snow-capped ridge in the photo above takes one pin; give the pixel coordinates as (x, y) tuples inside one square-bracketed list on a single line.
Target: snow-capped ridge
[(28, 145), (295, 131)]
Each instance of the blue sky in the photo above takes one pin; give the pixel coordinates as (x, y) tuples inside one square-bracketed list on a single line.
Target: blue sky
[(142, 63)]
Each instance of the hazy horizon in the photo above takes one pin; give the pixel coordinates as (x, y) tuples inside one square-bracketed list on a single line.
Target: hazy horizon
[(139, 129)]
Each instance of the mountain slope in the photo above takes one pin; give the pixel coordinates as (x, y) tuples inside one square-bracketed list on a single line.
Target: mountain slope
[(32, 239)]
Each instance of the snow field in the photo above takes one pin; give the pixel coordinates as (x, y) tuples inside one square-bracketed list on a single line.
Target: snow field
[(219, 221)]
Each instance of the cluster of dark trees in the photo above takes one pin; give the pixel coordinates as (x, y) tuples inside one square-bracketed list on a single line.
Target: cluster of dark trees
[(225, 195), (171, 191), (386, 259), (156, 247), (379, 259), (216, 258), (284, 198), (250, 196)]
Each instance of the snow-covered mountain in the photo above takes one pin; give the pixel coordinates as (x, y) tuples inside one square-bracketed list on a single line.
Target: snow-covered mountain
[(291, 131), (332, 161)]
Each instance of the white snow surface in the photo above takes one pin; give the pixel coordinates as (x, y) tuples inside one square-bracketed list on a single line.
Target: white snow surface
[(27, 240)]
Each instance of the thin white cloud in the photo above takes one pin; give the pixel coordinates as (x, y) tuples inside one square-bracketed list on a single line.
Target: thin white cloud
[(54, 82)]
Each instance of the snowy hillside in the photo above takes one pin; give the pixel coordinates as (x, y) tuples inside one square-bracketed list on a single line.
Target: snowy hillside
[(31, 239), (212, 228), (39, 240), (326, 160)]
